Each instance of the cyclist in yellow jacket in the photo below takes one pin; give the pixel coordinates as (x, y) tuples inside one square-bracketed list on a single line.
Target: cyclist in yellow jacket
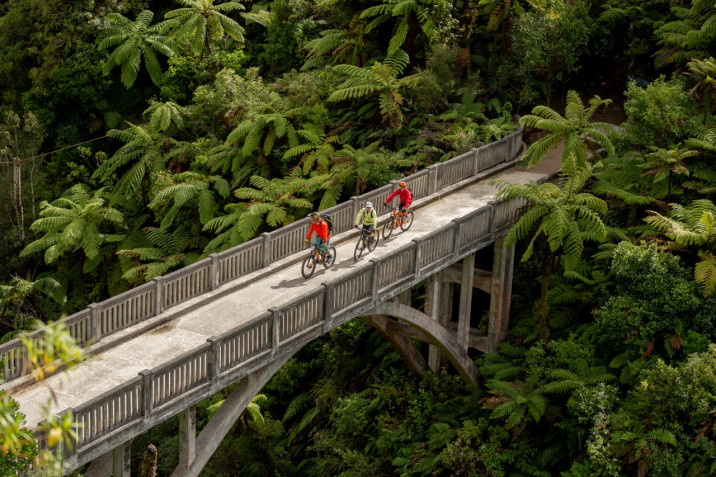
[(368, 217)]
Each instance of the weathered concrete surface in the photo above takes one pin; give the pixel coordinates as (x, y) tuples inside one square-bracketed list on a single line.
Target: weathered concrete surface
[(116, 365)]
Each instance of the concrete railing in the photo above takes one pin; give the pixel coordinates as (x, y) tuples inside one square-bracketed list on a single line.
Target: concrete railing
[(103, 319), (162, 392)]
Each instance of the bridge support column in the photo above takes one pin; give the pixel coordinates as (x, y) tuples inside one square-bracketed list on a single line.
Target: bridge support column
[(500, 293), (116, 462), (465, 312), (187, 436), (434, 291), (122, 460), (213, 433)]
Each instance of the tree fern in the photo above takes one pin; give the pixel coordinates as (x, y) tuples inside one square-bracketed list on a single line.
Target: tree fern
[(580, 135), (153, 252), (135, 39), (189, 187), (140, 156), (202, 22), (379, 83), (403, 11), (692, 227), (265, 126), (163, 115), (75, 222), (689, 37)]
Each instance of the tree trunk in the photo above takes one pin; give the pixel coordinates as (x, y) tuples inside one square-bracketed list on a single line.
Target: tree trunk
[(149, 463), (17, 197), (541, 310)]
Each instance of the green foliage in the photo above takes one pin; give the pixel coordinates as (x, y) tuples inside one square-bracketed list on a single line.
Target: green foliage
[(693, 226), (200, 23), (163, 115), (563, 214), (19, 448), (140, 156), (274, 202), (575, 129), (155, 251), (17, 307), (134, 40), (633, 24), (287, 25), (404, 13), (549, 43), (660, 115), (690, 36), (705, 89), (190, 188), (224, 154), (503, 12), (379, 81), (651, 304), (75, 222), (18, 445)]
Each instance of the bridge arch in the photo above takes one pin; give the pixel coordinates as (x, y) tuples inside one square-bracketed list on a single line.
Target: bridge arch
[(438, 335)]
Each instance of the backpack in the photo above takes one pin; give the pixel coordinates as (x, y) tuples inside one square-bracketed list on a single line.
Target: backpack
[(329, 221)]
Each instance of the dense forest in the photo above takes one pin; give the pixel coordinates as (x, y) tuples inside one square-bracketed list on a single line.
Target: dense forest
[(137, 137)]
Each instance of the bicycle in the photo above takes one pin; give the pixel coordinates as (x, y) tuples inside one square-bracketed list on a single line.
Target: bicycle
[(308, 267), (403, 220), (365, 241)]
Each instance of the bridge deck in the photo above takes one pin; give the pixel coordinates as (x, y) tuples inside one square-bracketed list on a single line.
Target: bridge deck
[(123, 362)]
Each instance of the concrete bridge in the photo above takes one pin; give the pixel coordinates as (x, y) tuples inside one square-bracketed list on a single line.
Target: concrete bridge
[(160, 348)]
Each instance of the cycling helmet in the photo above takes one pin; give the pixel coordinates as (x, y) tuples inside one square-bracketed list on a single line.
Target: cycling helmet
[(369, 204), (402, 184), (315, 215)]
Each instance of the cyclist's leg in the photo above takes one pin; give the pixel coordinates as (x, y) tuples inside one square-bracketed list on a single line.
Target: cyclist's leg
[(327, 246), (319, 243), (369, 229)]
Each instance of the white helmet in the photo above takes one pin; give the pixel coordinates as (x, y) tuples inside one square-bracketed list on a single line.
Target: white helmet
[(369, 204)]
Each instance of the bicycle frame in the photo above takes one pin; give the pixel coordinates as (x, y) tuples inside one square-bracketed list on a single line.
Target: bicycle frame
[(396, 217)]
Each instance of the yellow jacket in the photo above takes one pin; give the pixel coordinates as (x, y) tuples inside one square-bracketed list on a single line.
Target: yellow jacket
[(367, 218)]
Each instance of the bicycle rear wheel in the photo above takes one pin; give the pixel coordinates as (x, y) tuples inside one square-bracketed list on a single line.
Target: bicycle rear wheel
[(360, 246), (407, 221), (328, 262), (372, 242), (388, 227), (308, 266)]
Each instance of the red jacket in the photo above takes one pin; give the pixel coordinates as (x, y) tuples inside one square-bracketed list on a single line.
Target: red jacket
[(405, 197), (321, 229)]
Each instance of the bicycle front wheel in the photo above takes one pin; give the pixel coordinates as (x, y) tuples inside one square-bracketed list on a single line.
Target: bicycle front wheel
[(372, 242), (407, 221), (388, 228), (308, 266), (329, 261), (360, 246)]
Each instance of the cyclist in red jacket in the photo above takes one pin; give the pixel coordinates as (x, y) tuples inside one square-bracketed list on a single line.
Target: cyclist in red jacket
[(323, 238), (406, 198)]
